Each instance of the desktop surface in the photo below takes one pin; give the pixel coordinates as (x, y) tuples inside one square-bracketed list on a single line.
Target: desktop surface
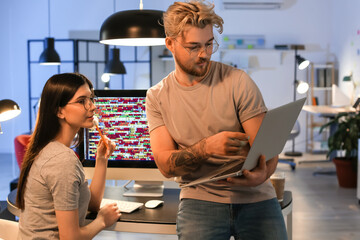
[(161, 220), (327, 110), (165, 214)]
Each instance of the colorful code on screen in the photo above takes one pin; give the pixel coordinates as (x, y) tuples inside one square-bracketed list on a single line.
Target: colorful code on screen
[(123, 120)]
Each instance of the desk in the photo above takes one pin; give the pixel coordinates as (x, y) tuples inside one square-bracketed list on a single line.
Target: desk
[(327, 112), (161, 220)]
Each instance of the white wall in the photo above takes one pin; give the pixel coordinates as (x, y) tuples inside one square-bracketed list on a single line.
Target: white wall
[(22, 20), (6, 85), (345, 43)]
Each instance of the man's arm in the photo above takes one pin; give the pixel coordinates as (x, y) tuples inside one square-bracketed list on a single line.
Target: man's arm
[(265, 168), (172, 162)]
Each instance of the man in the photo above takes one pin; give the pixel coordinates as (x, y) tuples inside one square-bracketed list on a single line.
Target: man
[(198, 116)]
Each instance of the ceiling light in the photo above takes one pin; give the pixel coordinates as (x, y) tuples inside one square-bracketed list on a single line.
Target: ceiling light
[(49, 56), (114, 65), (133, 28)]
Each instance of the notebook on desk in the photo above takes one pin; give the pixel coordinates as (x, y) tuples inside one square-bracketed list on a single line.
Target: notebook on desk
[(269, 141)]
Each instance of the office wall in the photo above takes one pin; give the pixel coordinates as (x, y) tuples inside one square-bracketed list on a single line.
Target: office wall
[(22, 20), (6, 85), (345, 36)]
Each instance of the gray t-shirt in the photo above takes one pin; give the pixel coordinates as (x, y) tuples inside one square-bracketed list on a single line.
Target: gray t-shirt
[(224, 99), (56, 181)]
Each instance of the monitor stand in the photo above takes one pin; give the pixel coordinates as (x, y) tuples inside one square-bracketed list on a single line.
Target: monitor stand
[(145, 189)]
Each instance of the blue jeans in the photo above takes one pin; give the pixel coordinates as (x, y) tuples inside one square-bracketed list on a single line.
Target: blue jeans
[(203, 220)]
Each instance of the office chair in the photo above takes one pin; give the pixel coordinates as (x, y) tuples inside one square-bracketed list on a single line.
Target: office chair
[(20, 144), (293, 134)]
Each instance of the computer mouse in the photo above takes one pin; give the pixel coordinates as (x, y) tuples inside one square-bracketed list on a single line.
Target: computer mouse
[(153, 203)]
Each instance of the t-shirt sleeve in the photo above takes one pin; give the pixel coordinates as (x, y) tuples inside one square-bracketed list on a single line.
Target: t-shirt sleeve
[(153, 113), (249, 100), (63, 178)]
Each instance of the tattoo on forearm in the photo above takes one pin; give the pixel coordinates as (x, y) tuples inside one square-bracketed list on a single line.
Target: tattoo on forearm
[(188, 159)]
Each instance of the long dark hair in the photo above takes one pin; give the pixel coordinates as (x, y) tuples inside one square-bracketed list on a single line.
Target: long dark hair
[(57, 92)]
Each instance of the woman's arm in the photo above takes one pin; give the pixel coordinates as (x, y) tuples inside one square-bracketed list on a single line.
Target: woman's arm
[(97, 186), (68, 222)]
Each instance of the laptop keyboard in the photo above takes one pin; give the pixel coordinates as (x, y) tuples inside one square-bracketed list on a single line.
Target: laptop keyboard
[(230, 170)]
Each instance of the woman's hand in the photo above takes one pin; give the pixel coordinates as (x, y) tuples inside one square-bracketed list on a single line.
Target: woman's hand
[(109, 214), (103, 153)]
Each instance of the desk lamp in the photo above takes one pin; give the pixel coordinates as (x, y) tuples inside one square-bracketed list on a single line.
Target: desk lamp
[(300, 87), (8, 110)]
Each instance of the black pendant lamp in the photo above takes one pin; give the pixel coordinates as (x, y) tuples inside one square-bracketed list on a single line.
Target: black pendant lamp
[(114, 65), (49, 56), (133, 28)]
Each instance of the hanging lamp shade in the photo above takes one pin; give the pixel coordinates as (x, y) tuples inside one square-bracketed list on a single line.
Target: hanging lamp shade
[(133, 28), (49, 56), (114, 65), (8, 110)]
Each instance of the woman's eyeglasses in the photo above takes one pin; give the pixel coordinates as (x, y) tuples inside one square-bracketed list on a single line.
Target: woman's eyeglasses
[(85, 101)]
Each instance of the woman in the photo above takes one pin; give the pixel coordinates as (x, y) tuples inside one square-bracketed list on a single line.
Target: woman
[(53, 194)]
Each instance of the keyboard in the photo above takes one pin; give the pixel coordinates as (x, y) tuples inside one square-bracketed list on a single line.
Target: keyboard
[(124, 206)]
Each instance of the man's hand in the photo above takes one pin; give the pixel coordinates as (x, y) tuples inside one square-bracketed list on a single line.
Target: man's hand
[(255, 177), (227, 143)]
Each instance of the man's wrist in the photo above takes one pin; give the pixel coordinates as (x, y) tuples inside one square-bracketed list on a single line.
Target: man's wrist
[(188, 159), (203, 149)]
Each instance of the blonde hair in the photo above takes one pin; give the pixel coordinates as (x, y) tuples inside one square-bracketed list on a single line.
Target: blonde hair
[(194, 13)]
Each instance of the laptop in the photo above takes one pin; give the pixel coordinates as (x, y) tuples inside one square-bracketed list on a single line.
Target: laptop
[(269, 141)]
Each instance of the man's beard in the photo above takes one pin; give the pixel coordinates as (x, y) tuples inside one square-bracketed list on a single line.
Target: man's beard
[(192, 71)]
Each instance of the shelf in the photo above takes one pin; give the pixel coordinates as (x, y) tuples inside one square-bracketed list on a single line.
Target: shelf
[(274, 50), (323, 66), (276, 55), (258, 68), (271, 55), (166, 58), (323, 95), (255, 50), (317, 124), (322, 88)]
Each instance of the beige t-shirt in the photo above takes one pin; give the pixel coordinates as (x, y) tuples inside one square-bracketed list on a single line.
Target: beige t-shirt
[(224, 99), (56, 181)]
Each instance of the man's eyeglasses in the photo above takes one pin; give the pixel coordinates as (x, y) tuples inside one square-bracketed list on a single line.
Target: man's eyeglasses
[(86, 102), (196, 49)]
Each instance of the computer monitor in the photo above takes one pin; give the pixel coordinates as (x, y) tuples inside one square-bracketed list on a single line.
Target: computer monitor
[(122, 118)]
